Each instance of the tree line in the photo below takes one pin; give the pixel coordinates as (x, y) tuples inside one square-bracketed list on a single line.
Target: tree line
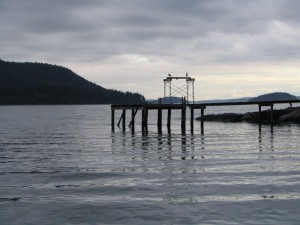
[(41, 83)]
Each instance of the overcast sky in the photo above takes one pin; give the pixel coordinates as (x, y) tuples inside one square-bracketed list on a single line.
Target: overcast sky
[(233, 48)]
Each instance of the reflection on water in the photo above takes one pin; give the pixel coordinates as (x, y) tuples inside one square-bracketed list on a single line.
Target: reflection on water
[(268, 137), (161, 144), (216, 169), (64, 161), (158, 143)]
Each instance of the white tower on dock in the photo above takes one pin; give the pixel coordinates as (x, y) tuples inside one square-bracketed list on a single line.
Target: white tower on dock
[(183, 90)]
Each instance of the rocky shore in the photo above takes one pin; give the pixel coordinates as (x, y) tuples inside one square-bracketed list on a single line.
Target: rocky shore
[(288, 115)]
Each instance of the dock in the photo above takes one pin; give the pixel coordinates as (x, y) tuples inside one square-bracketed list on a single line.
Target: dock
[(184, 107)]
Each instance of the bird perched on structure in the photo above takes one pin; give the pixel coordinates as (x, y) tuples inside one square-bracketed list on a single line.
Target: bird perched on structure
[(169, 75), (186, 74)]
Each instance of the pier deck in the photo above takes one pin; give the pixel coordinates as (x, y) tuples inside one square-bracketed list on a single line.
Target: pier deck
[(144, 108)]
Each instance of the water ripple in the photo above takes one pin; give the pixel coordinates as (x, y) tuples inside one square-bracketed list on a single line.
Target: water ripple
[(64, 161)]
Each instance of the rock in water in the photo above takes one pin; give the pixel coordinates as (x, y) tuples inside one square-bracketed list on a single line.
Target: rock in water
[(293, 116), (279, 116)]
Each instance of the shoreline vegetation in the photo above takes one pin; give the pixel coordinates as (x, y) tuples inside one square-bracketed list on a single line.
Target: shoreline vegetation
[(280, 116), (28, 83)]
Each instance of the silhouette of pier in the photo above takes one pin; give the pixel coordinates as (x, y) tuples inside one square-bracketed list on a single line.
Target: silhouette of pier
[(183, 107)]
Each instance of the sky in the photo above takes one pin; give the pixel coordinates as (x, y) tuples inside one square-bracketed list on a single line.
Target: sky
[(233, 48)]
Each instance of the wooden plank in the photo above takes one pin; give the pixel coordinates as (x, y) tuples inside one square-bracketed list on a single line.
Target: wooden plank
[(120, 107), (164, 106)]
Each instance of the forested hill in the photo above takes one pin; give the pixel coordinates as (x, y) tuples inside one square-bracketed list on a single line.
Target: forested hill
[(39, 83), (276, 96)]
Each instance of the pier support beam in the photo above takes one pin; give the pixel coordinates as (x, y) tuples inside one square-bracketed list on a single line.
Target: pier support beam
[(121, 118), (159, 121), (202, 120), (124, 120), (112, 120), (132, 122), (272, 117), (169, 121), (144, 121), (133, 112), (271, 114), (259, 117), (192, 120), (183, 120)]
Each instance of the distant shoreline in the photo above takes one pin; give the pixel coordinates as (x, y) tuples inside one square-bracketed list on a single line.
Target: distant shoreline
[(288, 115), (49, 104)]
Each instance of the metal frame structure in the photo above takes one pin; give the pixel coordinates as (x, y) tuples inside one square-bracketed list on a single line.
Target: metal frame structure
[(184, 89)]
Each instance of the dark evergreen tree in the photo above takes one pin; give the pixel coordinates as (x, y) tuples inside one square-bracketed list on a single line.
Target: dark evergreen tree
[(40, 83)]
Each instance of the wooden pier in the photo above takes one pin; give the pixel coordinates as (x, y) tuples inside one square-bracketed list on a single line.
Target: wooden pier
[(145, 108)]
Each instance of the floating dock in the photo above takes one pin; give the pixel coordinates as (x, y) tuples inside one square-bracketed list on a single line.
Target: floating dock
[(145, 108)]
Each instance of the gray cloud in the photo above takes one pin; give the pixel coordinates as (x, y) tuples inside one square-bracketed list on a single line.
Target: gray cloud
[(206, 32), (109, 28)]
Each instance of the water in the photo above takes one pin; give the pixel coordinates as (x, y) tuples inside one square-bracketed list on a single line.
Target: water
[(62, 165)]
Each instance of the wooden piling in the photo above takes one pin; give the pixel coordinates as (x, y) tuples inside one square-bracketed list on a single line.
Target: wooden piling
[(202, 120), (272, 117), (183, 120), (259, 118), (159, 121), (144, 121), (192, 120), (124, 120), (112, 120), (169, 121), (133, 112)]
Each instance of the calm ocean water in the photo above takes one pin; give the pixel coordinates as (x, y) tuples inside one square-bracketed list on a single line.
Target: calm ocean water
[(63, 165)]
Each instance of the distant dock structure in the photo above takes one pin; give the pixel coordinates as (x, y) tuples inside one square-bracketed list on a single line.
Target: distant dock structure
[(187, 90), (184, 107)]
